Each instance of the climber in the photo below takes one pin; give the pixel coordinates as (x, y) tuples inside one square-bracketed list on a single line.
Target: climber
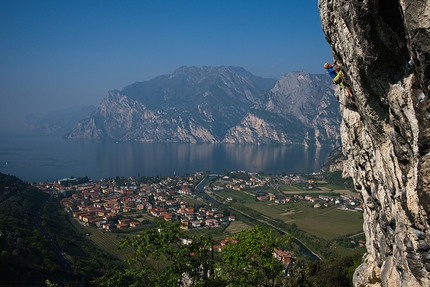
[(337, 76)]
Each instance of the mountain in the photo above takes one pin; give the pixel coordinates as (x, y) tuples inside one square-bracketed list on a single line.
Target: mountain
[(57, 122), (218, 104), (300, 108), (383, 49)]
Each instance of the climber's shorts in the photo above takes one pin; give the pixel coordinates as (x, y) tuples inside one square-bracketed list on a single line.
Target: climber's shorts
[(338, 79)]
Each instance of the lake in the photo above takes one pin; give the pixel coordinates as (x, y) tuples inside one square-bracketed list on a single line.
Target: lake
[(39, 158)]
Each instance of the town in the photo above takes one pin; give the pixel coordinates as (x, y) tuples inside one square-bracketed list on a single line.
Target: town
[(118, 204), (129, 205)]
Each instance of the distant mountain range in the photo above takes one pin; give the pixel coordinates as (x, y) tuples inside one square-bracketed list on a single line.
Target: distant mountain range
[(218, 105), (57, 122)]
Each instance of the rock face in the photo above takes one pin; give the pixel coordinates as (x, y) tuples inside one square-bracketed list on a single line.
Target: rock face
[(383, 47), (219, 104), (300, 108)]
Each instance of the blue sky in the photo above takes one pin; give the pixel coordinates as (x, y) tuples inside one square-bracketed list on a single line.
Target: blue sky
[(60, 54)]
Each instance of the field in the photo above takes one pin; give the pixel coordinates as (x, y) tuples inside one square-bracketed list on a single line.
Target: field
[(106, 241), (324, 222), (236, 227), (332, 223), (294, 189), (237, 195)]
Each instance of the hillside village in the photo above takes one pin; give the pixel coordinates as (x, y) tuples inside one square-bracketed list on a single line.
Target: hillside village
[(108, 205)]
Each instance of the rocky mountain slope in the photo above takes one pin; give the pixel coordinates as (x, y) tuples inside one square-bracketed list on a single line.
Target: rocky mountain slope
[(218, 104), (300, 108), (384, 50)]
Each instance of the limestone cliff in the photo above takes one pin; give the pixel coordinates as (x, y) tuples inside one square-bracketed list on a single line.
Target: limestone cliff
[(383, 47), (299, 109)]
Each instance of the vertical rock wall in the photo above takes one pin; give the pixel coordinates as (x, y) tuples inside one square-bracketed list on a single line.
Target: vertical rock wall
[(383, 47)]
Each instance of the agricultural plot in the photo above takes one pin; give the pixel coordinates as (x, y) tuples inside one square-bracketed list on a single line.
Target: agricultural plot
[(236, 227), (237, 195), (109, 242), (338, 189), (332, 223), (325, 189), (313, 192), (327, 223), (267, 208), (292, 189), (106, 241), (193, 200), (318, 188)]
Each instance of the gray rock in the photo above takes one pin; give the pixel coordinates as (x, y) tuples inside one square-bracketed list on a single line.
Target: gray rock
[(383, 48)]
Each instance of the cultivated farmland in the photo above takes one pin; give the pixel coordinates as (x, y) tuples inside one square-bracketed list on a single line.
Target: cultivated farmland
[(316, 217)]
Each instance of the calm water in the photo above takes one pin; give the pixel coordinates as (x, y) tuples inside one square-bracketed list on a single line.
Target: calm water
[(50, 158)]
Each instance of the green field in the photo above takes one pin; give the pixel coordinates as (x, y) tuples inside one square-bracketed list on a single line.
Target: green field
[(192, 200), (106, 241), (293, 189), (320, 188), (236, 227), (331, 224), (327, 223), (237, 195)]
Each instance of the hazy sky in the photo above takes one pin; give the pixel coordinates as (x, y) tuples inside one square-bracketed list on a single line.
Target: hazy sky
[(60, 54)]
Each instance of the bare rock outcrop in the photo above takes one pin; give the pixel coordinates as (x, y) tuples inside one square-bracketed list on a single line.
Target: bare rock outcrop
[(383, 47)]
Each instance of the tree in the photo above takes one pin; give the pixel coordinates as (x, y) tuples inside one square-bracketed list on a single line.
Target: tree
[(248, 260), (335, 271), (165, 256)]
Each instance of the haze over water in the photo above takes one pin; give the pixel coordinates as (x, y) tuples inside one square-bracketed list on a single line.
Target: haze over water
[(40, 158)]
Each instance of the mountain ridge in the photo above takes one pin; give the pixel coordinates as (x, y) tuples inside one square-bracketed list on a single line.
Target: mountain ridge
[(218, 105)]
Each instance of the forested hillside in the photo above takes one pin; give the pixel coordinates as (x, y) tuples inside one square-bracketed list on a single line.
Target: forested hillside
[(26, 254)]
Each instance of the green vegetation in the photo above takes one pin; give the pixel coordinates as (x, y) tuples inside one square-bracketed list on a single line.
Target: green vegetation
[(25, 251), (236, 196), (327, 230), (337, 179), (335, 271), (160, 257), (249, 261), (327, 223), (106, 241), (236, 227), (87, 259)]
